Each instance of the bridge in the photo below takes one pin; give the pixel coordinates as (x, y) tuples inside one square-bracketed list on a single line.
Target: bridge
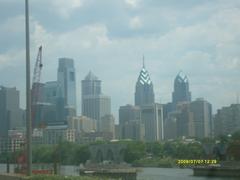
[(107, 152)]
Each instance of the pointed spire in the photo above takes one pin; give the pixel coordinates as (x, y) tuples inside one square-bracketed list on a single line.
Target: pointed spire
[(143, 61), (91, 76), (181, 77), (144, 77)]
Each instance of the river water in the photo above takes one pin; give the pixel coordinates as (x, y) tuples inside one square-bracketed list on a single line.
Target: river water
[(144, 174)]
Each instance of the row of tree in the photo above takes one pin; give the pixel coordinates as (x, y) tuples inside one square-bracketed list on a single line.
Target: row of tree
[(72, 153)]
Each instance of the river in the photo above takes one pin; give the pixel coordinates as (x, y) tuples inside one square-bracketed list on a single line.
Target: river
[(145, 174)]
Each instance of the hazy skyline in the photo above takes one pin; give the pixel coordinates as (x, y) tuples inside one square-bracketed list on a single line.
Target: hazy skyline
[(201, 38)]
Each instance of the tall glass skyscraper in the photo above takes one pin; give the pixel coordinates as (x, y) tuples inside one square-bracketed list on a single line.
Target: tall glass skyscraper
[(91, 85), (95, 105), (67, 82), (144, 88), (181, 91)]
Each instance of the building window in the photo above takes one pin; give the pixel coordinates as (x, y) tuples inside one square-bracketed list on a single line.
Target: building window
[(72, 76)]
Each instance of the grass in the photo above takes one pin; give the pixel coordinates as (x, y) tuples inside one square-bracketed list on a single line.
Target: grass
[(53, 177)]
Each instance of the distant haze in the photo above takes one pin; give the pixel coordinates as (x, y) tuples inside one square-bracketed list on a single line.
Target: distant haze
[(201, 38)]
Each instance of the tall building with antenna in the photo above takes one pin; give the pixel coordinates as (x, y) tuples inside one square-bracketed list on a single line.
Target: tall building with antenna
[(144, 93)]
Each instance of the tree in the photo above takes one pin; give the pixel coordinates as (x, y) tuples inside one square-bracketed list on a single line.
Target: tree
[(135, 151), (81, 154)]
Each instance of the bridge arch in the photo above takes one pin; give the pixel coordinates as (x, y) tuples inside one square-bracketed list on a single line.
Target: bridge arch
[(110, 155), (99, 156)]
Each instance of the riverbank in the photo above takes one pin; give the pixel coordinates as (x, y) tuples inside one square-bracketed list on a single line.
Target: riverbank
[(44, 177), (155, 162)]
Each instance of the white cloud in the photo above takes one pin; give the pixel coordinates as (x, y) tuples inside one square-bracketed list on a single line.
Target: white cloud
[(65, 7), (208, 46), (135, 23), (10, 58), (132, 3)]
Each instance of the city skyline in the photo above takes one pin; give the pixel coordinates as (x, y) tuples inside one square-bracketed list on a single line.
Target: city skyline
[(199, 38)]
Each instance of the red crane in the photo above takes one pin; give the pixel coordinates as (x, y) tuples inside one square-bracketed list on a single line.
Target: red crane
[(35, 96), (36, 85)]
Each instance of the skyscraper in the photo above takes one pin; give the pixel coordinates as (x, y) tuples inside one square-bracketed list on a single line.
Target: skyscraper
[(51, 91), (202, 117), (91, 85), (185, 120), (130, 124), (107, 125), (67, 81), (227, 120), (52, 94), (95, 105), (181, 91), (10, 113), (144, 88), (152, 117)]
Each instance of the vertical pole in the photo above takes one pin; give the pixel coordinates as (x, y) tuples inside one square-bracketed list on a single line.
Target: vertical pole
[(28, 95)]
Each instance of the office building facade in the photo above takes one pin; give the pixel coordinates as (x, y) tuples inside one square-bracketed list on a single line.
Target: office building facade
[(11, 116), (67, 82), (95, 105), (107, 124), (202, 118), (130, 124), (82, 124), (227, 120), (152, 117)]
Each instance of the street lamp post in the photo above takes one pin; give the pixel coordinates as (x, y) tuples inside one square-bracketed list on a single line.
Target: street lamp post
[(28, 96)]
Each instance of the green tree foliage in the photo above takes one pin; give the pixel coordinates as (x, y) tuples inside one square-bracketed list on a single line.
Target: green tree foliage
[(236, 136), (43, 154), (234, 146), (64, 153), (155, 149), (135, 150), (81, 154)]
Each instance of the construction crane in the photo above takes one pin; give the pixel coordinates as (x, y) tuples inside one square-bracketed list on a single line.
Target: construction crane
[(36, 85), (35, 95)]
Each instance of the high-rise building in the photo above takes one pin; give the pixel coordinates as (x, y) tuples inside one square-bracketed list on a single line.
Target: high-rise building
[(11, 116), (57, 134), (227, 120), (50, 108), (170, 125), (82, 124), (152, 117), (91, 85), (129, 113), (67, 82), (107, 124), (190, 119), (43, 114), (202, 117), (51, 92), (95, 105), (144, 93), (130, 124), (185, 120), (181, 91)]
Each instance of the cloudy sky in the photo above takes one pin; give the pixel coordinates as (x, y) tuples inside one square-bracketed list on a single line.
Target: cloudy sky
[(109, 37)]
